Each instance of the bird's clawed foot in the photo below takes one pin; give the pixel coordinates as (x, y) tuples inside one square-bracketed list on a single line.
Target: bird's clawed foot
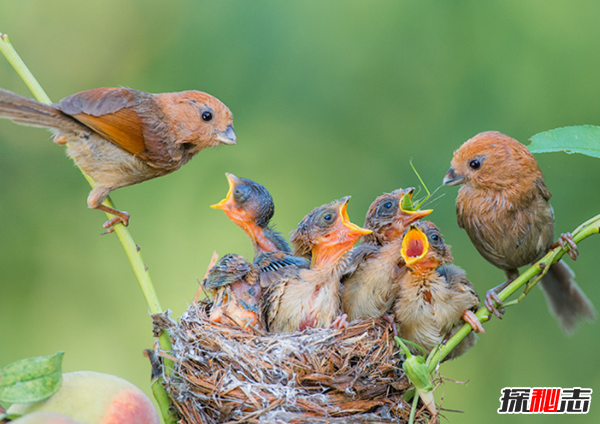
[(566, 242), (120, 217), (472, 320), (340, 323), (491, 300)]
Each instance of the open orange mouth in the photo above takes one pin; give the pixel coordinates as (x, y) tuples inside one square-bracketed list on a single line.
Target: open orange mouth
[(231, 179), (354, 229), (414, 246)]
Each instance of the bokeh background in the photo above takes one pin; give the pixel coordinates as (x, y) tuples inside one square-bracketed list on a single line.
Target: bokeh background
[(330, 99)]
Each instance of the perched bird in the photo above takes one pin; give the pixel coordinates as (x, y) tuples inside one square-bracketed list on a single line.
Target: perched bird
[(236, 286), (435, 296), (304, 298), (503, 206), (121, 137), (370, 282), (250, 206)]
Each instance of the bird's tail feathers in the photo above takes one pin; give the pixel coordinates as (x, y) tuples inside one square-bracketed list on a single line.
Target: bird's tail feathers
[(567, 302), (25, 111)]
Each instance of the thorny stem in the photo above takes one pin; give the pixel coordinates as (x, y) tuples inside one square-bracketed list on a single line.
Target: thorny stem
[(131, 249), (590, 227)]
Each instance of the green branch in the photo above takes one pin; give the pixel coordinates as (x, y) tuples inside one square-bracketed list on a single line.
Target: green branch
[(588, 228), (131, 249)]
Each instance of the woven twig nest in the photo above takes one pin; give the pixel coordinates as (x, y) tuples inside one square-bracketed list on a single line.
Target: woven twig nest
[(227, 374)]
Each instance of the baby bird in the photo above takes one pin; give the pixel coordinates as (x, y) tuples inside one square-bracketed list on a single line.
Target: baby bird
[(121, 137), (370, 283), (435, 296), (233, 283), (304, 298), (503, 206), (250, 206), (236, 284)]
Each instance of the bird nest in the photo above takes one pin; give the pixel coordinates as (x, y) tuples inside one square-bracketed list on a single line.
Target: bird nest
[(225, 374)]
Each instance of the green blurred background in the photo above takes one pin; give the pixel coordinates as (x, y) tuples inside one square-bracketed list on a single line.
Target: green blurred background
[(330, 99)]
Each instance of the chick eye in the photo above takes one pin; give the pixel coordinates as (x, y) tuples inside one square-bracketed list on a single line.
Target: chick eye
[(388, 205), (207, 116), (475, 164), (435, 237), (241, 193), (328, 217)]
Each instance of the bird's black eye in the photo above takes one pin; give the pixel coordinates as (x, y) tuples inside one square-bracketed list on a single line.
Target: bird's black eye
[(475, 164), (327, 219), (386, 208), (207, 116), (241, 193), (435, 237)]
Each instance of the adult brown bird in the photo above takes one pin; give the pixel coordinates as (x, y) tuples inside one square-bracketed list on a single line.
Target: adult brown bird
[(120, 136), (503, 206), (250, 206), (304, 298), (370, 283), (435, 298)]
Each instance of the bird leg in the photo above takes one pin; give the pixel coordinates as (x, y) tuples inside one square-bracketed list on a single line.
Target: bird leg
[(94, 201), (492, 299), (566, 242), (472, 320), (120, 217), (340, 323), (390, 318)]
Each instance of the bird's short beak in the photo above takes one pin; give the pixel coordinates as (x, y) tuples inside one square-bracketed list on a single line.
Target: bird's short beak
[(452, 178), (232, 180), (227, 136), (414, 246), (353, 229)]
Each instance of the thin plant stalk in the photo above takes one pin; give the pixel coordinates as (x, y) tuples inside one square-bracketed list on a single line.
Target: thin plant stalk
[(131, 249)]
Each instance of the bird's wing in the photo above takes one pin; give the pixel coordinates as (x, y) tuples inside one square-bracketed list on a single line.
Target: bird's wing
[(111, 113), (357, 257), (271, 300), (228, 270), (456, 279), (273, 265), (541, 186)]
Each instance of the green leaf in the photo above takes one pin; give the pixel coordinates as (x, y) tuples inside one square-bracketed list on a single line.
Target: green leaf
[(584, 139), (31, 380)]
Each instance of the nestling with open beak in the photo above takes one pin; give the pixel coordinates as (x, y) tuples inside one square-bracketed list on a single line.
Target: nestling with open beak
[(503, 206), (435, 296), (370, 284), (250, 206), (305, 298), (236, 284), (121, 137)]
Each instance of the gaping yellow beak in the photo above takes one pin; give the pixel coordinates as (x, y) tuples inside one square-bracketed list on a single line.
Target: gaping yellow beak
[(353, 228), (414, 246), (231, 179), (412, 216)]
